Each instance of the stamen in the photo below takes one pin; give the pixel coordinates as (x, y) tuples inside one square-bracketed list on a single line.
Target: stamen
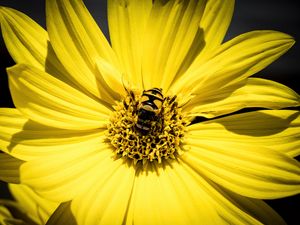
[(161, 141)]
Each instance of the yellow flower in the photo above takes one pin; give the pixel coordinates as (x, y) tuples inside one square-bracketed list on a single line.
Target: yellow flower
[(116, 129), (29, 208)]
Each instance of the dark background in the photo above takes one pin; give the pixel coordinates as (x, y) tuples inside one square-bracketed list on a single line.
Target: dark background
[(281, 15)]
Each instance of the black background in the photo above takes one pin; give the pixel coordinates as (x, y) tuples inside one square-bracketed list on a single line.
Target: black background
[(281, 15)]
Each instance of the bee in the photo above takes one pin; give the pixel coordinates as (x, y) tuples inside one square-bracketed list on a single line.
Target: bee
[(149, 109)]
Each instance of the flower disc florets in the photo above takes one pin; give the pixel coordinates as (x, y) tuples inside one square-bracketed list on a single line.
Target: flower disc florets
[(161, 141)]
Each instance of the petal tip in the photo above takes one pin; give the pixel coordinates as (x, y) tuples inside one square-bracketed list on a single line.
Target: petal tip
[(288, 38), (11, 69), (17, 69), (4, 11)]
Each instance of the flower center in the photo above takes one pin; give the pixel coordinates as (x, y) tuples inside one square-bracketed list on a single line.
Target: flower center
[(147, 127)]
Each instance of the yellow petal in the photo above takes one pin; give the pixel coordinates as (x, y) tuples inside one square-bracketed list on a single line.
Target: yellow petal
[(106, 202), (62, 176), (275, 129), (10, 168), (77, 40), (12, 214), (232, 208), (11, 122), (169, 196), (249, 170), (62, 215), (51, 102), (127, 23), (172, 29), (215, 22), (255, 208), (111, 79), (233, 62), (27, 42), (255, 93), (39, 209), (212, 29), (4, 214), (27, 140)]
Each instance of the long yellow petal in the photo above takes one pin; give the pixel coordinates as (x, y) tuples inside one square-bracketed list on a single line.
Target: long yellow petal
[(249, 170), (39, 209), (171, 31), (232, 208), (107, 201), (77, 40), (215, 22), (51, 102), (27, 140), (127, 23), (212, 29), (60, 176), (274, 129), (233, 62), (169, 196), (256, 208), (10, 168), (256, 92), (27, 42)]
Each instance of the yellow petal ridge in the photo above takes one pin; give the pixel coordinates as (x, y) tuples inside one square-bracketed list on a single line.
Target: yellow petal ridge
[(57, 104)]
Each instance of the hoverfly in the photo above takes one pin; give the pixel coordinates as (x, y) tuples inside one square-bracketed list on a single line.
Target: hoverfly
[(149, 109)]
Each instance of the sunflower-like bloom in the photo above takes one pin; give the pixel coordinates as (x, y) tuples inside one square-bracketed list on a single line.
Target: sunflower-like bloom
[(29, 208), (117, 132)]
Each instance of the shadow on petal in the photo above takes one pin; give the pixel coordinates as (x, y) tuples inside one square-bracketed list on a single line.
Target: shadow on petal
[(62, 215), (258, 124), (10, 168)]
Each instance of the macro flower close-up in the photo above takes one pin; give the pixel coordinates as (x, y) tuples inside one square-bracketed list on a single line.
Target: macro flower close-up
[(160, 124)]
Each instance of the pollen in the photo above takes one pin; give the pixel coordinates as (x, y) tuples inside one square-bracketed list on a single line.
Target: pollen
[(162, 141)]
